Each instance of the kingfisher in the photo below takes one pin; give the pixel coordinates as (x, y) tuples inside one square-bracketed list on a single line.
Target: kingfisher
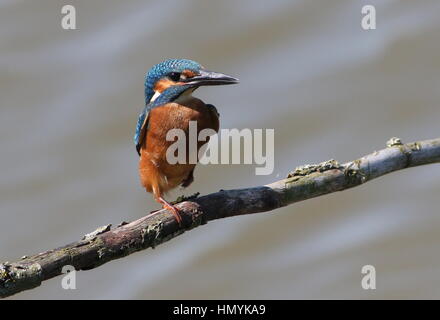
[(169, 104)]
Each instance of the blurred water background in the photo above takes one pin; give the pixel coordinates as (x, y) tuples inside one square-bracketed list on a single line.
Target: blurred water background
[(69, 102)]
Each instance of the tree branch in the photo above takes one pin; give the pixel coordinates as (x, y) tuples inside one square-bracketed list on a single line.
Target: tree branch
[(303, 183)]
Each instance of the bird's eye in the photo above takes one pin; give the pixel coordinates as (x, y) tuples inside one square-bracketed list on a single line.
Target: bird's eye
[(175, 76)]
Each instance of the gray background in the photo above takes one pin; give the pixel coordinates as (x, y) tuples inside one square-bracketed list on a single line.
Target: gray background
[(69, 105)]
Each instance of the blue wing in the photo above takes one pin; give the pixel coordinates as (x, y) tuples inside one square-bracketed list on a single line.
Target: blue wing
[(168, 95), (141, 128)]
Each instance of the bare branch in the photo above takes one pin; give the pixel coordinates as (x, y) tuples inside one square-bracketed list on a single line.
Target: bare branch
[(303, 183)]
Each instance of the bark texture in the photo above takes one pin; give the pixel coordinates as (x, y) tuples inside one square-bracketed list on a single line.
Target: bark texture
[(305, 182)]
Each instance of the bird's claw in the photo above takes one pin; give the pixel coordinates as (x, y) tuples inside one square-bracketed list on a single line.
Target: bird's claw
[(175, 212)]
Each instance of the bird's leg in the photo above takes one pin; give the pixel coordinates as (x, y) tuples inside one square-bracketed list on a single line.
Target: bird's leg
[(166, 205), (171, 208)]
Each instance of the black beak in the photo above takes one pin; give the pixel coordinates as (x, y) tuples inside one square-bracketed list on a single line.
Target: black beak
[(211, 78)]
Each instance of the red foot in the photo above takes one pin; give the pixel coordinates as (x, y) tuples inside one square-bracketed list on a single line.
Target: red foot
[(171, 208)]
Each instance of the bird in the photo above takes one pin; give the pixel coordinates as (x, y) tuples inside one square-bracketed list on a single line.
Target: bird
[(169, 104)]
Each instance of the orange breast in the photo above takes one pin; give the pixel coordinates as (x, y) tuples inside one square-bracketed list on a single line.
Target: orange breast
[(157, 175)]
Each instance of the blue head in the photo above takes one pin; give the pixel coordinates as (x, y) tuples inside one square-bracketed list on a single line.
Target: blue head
[(167, 80), (177, 75)]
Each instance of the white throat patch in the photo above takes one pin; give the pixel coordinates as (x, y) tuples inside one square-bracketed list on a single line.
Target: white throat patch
[(155, 96), (185, 96)]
